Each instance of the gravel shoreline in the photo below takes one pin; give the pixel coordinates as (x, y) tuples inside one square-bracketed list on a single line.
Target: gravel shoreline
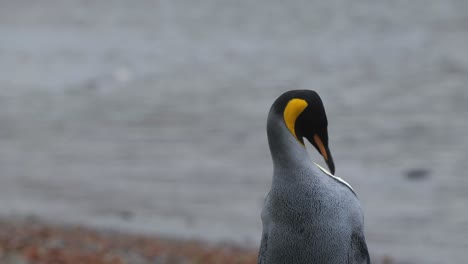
[(33, 242)]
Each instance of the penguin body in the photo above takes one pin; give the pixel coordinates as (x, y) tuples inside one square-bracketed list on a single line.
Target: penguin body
[(309, 216)]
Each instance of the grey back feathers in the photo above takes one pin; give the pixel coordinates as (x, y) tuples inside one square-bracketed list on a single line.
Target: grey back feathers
[(308, 216)]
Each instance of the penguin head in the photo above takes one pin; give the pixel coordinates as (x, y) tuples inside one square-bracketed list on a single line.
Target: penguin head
[(304, 116)]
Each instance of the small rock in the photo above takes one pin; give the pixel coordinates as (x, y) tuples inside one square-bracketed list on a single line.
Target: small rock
[(125, 214), (417, 174)]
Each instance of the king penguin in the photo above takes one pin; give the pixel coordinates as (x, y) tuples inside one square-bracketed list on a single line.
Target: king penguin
[(309, 216)]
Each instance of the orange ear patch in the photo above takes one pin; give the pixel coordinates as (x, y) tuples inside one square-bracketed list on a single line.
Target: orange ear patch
[(292, 111)]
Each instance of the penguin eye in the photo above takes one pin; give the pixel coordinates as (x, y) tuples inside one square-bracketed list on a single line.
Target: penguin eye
[(291, 112)]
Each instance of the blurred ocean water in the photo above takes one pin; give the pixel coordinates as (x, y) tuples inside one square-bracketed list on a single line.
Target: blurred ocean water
[(150, 115)]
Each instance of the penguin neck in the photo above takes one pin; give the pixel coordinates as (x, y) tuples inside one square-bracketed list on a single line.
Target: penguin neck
[(286, 151)]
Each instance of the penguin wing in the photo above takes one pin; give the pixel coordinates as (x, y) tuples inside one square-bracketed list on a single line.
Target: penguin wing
[(358, 253), (263, 249), (264, 243)]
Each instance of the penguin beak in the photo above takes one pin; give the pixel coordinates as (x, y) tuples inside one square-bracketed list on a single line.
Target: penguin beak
[(329, 161), (322, 148)]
